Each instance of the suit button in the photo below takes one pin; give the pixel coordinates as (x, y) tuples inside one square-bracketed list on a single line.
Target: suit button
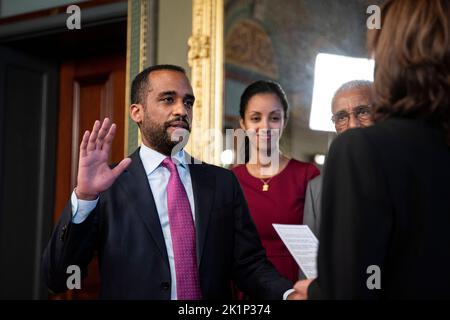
[(63, 233), (165, 285)]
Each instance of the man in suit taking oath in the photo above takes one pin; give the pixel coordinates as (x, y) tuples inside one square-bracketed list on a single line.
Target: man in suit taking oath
[(164, 227)]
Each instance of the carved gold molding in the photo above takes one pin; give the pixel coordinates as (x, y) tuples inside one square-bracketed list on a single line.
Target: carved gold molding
[(132, 68), (127, 83), (143, 46), (143, 35), (206, 60), (137, 29), (249, 46)]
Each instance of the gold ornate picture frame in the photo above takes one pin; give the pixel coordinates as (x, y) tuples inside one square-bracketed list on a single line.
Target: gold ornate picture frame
[(206, 60)]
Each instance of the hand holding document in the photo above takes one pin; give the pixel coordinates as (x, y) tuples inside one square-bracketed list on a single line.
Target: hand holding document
[(302, 244)]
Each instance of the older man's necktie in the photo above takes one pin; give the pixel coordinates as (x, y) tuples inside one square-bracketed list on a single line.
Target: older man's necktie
[(182, 230)]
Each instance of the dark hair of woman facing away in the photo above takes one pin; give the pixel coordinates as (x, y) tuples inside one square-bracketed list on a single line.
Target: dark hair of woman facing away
[(412, 53)]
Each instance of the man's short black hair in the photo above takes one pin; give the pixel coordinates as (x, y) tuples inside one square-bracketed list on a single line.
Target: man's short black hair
[(140, 82)]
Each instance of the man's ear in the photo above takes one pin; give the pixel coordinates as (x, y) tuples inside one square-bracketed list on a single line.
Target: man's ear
[(137, 112)]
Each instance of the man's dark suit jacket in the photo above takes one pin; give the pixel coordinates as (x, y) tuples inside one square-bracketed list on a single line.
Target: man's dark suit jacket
[(386, 202), (125, 229)]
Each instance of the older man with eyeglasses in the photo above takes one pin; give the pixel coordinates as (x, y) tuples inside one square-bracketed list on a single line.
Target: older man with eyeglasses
[(351, 108), (351, 105)]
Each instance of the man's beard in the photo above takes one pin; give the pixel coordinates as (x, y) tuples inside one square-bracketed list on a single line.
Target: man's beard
[(159, 139)]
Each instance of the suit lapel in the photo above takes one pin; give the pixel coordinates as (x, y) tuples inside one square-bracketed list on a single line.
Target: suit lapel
[(135, 181), (203, 185)]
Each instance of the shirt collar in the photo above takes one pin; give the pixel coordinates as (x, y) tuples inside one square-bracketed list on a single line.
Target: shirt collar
[(151, 159)]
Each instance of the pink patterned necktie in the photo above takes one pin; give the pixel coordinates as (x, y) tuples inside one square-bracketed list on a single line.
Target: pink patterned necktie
[(183, 236)]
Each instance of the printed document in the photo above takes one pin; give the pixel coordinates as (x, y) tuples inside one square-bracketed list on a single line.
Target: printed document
[(302, 244)]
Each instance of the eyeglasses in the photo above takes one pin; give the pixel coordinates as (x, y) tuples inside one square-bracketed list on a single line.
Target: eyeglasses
[(362, 113)]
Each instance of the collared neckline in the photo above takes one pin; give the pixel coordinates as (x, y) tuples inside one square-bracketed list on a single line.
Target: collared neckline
[(152, 159)]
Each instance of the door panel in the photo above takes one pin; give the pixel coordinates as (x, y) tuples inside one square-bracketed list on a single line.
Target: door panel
[(91, 89)]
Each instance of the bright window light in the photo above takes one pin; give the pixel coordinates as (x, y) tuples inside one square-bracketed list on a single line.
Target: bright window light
[(227, 156), (319, 159), (331, 71)]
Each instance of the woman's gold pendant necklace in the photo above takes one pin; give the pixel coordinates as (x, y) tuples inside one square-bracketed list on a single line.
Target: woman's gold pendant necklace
[(265, 186)]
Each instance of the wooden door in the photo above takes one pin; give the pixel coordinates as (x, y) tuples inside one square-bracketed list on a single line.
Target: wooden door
[(90, 89)]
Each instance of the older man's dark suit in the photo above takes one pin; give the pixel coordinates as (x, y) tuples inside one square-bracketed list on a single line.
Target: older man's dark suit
[(126, 231)]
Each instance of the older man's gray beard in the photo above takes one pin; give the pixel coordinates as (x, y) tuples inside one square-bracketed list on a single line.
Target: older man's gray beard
[(160, 140)]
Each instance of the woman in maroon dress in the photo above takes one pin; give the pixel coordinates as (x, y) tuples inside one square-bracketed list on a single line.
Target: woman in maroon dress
[(275, 189)]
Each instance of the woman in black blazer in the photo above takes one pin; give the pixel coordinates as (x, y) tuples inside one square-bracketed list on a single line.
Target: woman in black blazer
[(385, 232)]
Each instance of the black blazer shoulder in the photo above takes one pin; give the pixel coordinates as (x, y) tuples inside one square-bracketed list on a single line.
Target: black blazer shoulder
[(385, 203)]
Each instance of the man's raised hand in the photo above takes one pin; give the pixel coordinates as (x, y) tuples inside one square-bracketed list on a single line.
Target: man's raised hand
[(94, 173)]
